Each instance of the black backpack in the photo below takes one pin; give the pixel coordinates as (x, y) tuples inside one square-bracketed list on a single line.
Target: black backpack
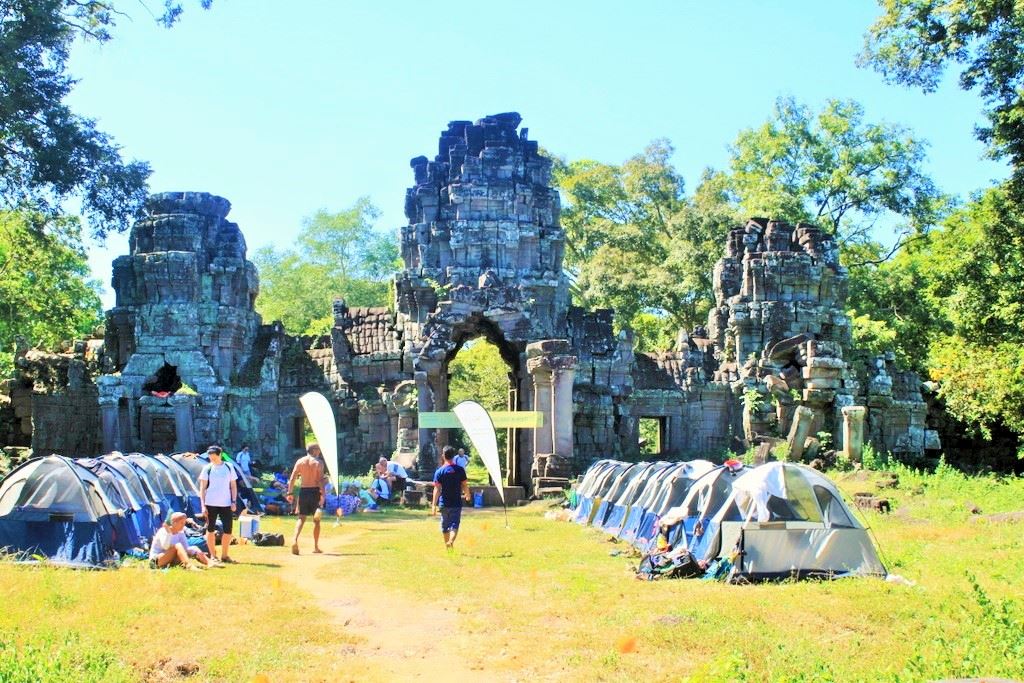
[(661, 566), (267, 539)]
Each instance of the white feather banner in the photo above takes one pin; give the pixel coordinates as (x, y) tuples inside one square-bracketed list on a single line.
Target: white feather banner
[(321, 419), (480, 429)]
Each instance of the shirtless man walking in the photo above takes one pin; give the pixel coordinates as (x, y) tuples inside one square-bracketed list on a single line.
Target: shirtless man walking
[(310, 470)]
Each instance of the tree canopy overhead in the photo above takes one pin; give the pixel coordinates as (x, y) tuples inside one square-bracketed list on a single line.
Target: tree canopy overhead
[(48, 153), (835, 170), (637, 244), (914, 41)]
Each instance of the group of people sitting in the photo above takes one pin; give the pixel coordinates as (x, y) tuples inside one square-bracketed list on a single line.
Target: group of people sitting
[(389, 480)]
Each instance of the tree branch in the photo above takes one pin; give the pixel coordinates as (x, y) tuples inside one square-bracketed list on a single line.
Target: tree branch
[(902, 242)]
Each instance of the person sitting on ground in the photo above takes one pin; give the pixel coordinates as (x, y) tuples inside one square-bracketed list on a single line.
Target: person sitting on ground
[(461, 459), (312, 493), (218, 493), (379, 489), (170, 545), (397, 477)]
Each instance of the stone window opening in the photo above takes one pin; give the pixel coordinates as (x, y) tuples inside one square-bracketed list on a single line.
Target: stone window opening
[(164, 381), (651, 435), (299, 432)]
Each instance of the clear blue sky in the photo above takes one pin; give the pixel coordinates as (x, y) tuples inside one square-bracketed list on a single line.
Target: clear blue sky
[(285, 108)]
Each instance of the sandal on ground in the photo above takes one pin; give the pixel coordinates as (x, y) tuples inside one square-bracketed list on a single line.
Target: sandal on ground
[(228, 560)]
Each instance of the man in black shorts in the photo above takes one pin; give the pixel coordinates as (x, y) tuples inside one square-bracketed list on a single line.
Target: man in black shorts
[(310, 470)]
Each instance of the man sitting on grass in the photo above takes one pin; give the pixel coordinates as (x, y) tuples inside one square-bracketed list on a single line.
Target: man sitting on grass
[(379, 489), (170, 546)]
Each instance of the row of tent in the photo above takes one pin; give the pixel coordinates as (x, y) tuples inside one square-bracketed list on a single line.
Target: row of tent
[(87, 512), (777, 520)]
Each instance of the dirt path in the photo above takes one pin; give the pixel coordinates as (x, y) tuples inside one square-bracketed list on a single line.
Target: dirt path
[(411, 641)]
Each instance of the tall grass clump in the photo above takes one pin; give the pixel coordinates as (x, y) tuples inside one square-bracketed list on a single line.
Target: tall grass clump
[(50, 657), (989, 642)]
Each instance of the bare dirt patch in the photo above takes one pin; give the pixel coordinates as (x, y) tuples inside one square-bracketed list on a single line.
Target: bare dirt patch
[(403, 640)]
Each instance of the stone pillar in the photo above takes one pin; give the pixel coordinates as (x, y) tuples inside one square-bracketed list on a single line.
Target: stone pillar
[(803, 417), (561, 419), (440, 387), (853, 432), (184, 432), (146, 423), (110, 423), (427, 461), (553, 368), (543, 437), (518, 474)]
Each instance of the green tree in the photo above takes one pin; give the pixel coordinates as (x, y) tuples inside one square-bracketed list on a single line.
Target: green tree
[(45, 294), (478, 373), (835, 170), (891, 302), (914, 41), (48, 153), (336, 255), (635, 243), (976, 269)]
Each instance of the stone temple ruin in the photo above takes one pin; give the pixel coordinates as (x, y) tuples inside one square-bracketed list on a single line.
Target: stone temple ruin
[(185, 360)]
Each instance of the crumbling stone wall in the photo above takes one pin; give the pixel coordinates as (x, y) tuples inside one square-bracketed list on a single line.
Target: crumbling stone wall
[(53, 400), (187, 361), (781, 332)]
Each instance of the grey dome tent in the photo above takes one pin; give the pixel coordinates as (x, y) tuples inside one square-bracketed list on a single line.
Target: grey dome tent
[(594, 490), (706, 497), (166, 485), (138, 514), (619, 509), (786, 520)]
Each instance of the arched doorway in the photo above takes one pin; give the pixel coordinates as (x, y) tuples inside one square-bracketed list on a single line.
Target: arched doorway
[(478, 372), (482, 356)]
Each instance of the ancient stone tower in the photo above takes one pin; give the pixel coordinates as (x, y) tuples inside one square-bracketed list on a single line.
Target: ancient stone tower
[(186, 362), (483, 258), (183, 316)]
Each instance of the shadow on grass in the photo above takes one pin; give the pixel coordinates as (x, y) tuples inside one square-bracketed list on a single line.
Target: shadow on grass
[(499, 556)]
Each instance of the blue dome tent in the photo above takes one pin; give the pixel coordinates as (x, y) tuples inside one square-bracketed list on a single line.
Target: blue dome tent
[(52, 508)]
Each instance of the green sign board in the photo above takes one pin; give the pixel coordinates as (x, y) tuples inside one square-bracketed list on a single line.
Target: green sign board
[(518, 419)]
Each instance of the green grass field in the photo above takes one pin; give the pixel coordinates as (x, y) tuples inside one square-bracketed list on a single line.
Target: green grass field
[(542, 600)]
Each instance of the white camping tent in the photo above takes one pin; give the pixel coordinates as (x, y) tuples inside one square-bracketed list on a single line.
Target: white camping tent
[(787, 520)]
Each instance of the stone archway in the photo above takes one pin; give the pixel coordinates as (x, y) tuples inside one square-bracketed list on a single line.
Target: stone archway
[(446, 333)]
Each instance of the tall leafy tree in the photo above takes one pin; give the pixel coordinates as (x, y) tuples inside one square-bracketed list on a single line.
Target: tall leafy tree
[(637, 244), (46, 295), (48, 153), (977, 265), (336, 255), (914, 41), (892, 304), (836, 170)]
